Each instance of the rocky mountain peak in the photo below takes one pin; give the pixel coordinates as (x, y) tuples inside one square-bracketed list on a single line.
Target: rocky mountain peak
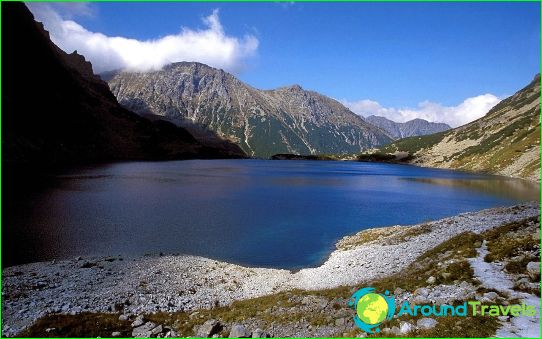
[(263, 122), (411, 128)]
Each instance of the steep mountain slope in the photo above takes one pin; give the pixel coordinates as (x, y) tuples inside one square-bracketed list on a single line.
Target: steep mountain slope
[(505, 141), (411, 128), (56, 111), (263, 123)]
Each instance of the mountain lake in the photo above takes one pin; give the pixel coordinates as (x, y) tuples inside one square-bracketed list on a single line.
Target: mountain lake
[(265, 213)]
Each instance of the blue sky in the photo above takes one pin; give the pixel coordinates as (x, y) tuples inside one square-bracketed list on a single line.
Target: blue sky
[(391, 59)]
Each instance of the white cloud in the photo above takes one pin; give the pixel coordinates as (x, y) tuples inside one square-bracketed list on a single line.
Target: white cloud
[(211, 45), (470, 109)]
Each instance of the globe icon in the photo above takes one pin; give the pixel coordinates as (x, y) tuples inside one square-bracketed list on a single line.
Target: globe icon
[(372, 308)]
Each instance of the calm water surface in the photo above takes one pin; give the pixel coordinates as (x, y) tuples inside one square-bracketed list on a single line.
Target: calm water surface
[(285, 214)]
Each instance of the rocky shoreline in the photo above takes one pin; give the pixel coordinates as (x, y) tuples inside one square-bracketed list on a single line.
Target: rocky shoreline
[(150, 284)]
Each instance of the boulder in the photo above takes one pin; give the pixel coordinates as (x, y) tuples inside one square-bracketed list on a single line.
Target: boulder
[(490, 296), (138, 321), (426, 323), (157, 330), (144, 331), (238, 331), (431, 280), (115, 334), (258, 333), (208, 328), (533, 270), (406, 327)]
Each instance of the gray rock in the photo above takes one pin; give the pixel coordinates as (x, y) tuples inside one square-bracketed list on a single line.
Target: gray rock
[(395, 330), (491, 296), (431, 280), (406, 327), (144, 331), (123, 317), (208, 328), (533, 270), (238, 331), (171, 334), (322, 304), (258, 333), (115, 334), (155, 331), (426, 323), (424, 292), (138, 321)]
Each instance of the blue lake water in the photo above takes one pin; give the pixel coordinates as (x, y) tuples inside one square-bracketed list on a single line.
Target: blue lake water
[(285, 214)]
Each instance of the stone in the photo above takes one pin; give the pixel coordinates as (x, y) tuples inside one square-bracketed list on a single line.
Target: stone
[(426, 323), (533, 270), (491, 296), (322, 304), (406, 327), (258, 333), (143, 331), (123, 317), (394, 330), (171, 334), (431, 280), (238, 331), (208, 328), (138, 321), (115, 334), (424, 292), (155, 331)]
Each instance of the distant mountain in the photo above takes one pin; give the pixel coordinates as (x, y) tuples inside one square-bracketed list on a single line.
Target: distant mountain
[(412, 128), (505, 141), (262, 122), (56, 111)]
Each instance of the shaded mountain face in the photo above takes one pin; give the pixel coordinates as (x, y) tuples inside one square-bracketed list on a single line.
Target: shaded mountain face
[(412, 128), (56, 111), (505, 141), (263, 123)]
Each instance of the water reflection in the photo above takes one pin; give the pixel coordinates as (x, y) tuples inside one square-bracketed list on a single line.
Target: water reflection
[(498, 186)]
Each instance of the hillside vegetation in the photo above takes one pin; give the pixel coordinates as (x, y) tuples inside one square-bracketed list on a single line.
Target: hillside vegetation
[(505, 141)]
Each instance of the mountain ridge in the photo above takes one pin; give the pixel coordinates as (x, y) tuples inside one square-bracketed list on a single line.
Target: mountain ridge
[(411, 128), (86, 124), (287, 119)]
